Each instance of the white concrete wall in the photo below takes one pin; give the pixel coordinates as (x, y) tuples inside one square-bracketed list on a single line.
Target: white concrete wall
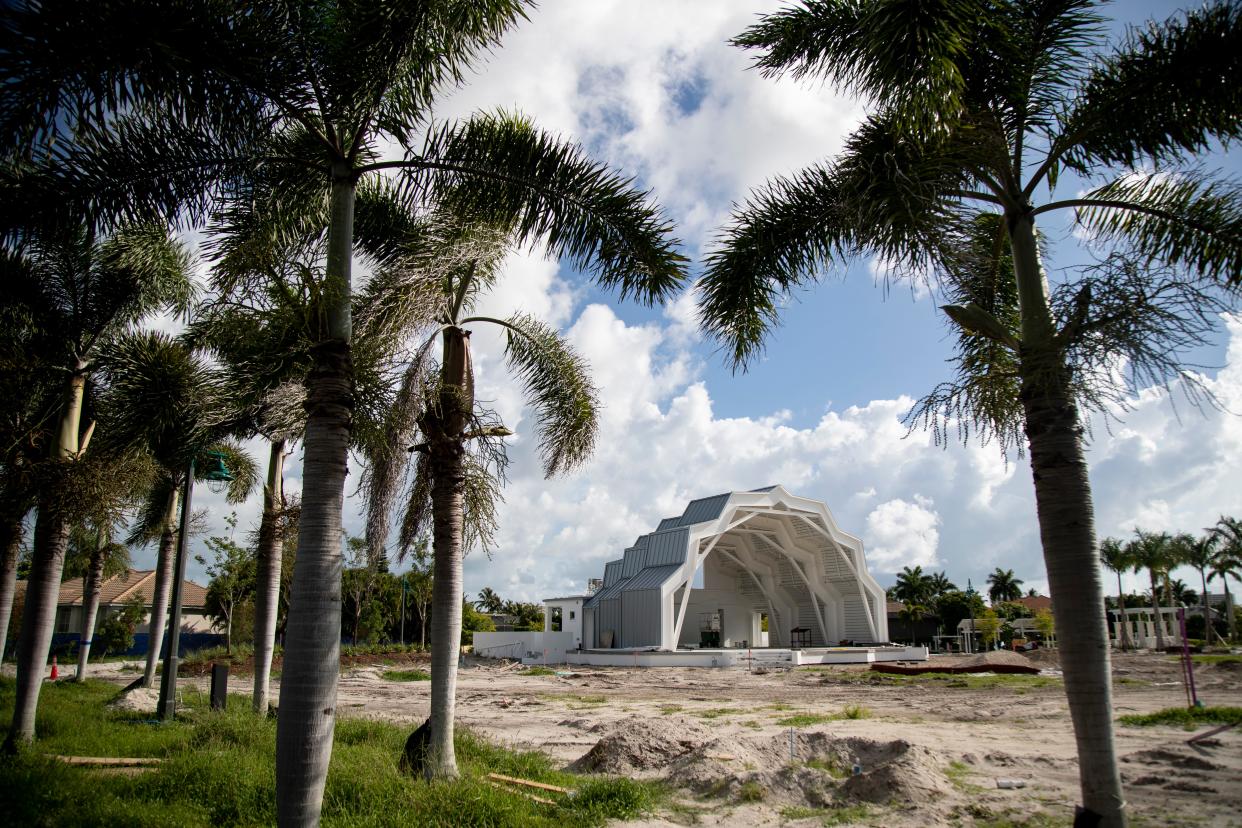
[(570, 625), (547, 647)]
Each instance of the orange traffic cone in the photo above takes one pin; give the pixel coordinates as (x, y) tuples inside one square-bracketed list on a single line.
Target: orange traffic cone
[(55, 671)]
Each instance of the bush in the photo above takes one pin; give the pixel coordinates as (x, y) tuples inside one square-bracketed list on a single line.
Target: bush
[(116, 633)]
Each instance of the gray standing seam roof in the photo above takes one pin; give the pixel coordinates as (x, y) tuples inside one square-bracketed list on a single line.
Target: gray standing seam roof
[(707, 508), (609, 592), (652, 577)]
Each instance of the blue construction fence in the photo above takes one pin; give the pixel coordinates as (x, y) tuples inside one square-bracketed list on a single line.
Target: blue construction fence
[(65, 643)]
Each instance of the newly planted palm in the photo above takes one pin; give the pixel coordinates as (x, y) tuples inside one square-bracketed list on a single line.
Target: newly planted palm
[(78, 292), (1115, 555), (169, 403), (100, 557), (1200, 554), (226, 91), (460, 459), (1228, 563), (1155, 552), (976, 108)]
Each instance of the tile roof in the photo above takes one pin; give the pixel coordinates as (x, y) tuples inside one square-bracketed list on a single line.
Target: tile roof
[(120, 588)]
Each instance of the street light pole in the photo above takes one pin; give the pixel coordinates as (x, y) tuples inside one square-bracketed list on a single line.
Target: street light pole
[(168, 681)]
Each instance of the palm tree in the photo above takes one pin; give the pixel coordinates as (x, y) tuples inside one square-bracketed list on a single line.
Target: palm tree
[(1004, 586), (489, 601), (227, 92), (1200, 554), (169, 403), (938, 584), (913, 586), (1155, 553), (975, 107), (1115, 555), (912, 613), (100, 557), (1228, 563), (460, 459), (79, 292)]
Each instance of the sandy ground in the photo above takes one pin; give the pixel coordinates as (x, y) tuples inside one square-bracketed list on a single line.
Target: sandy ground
[(929, 753)]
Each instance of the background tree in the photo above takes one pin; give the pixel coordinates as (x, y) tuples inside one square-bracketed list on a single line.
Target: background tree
[(1228, 563), (1003, 585), (1156, 553), (938, 584), (231, 571), (95, 556), (974, 109), (1046, 624), (913, 586), (489, 601), (955, 606), (989, 626), (116, 631), (1115, 555), (912, 613)]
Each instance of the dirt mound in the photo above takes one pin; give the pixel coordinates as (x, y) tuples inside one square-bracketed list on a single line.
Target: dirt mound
[(140, 700), (636, 745), (896, 771), (816, 770), (1044, 656), (998, 661)]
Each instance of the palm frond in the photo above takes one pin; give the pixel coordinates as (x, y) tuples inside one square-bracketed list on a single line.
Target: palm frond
[(149, 522), (983, 397), (1184, 218), (1167, 91), (888, 193), (559, 387), (501, 171), (902, 54)]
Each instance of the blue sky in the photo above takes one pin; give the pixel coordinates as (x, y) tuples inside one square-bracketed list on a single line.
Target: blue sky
[(653, 88)]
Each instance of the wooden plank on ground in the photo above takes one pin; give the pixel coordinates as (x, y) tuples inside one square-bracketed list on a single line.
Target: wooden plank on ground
[(519, 792), (106, 761), (543, 786)]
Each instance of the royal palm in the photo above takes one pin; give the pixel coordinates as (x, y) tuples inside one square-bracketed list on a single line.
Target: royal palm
[(976, 108)]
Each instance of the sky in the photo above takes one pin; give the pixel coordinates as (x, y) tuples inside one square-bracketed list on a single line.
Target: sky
[(652, 88)]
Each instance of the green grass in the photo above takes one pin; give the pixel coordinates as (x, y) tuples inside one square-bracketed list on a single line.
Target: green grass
[(406, 675), (669, 709), (717, 712), (845, 815), (828, 766), (1217, 659), (967, 681), (537, 671), (852, 711), (751, 791), (218, 769), (1185, 716)]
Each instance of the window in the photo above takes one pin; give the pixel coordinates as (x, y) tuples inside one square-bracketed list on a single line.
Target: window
[(62, 620), (571, 615)]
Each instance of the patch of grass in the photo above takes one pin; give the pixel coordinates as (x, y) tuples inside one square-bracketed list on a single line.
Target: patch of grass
[(851, 711), (537, 671), (669, 709), (751, 791), (589, 700), (966, 681), (799, 812), (847, 815), (406, 675), (828, 766), (1185, 716), (958, 774), (752, 724), (780, 706), (717, 712), (219, 769), (1220, 658)]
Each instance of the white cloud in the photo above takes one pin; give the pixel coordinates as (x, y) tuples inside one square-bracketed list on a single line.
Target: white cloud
[(903, 534)]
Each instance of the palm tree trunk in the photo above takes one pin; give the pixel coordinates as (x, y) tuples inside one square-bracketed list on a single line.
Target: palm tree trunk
[(313, 627), (10, 549), (1067, 532), (447, 499), (267, 588), (163, 589), (1207, 610), (1229, 613), (1155, 608), (448, 470), (1126, 643), (90, 608)]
